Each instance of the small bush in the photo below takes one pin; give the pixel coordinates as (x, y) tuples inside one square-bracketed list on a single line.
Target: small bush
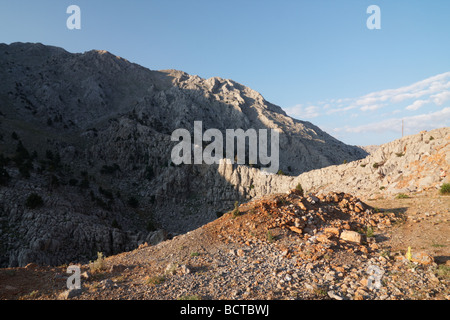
[(99, 264), (402, 196), (369, 232), (34, 201), (156, 280), (376, 165), (299, 188), (236, 211), (445, 188), (270, 237), (443, 271)]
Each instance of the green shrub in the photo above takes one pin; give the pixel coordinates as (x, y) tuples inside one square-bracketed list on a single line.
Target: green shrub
[(445, 188), (369, 232), (236, 211), (34, 201), (402, 196), (270, 237), (443, 271), (300, 189), (99, 264), (156, 280)]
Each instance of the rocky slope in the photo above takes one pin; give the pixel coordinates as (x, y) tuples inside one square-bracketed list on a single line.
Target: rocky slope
[(287, 246), (410, 164), (89, 135)]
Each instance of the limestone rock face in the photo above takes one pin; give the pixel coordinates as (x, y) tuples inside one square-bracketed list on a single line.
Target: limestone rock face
[(410, 164)]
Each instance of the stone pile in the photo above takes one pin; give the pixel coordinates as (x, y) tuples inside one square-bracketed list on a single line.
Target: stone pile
[(333, 220)]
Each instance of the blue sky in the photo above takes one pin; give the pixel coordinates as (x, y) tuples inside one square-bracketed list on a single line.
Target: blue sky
[(315, 59)]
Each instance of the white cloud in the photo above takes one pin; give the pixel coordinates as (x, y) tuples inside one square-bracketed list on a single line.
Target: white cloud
[(441, 97), (340, 109), (423, 105), (434, 85), (413, 124), (372, 107), (417, 104), (301, 112)]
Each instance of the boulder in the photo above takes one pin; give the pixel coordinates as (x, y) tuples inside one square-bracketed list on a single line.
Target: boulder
[(351, 236)]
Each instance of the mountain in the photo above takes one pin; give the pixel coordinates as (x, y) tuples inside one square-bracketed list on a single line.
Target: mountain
[(86, 152)]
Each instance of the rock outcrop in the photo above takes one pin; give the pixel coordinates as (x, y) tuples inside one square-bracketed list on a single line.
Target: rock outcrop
[(410, 164)]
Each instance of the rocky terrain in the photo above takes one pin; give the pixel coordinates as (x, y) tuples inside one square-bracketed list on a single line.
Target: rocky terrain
[(86, 179), (287, 246), (88, 136)]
